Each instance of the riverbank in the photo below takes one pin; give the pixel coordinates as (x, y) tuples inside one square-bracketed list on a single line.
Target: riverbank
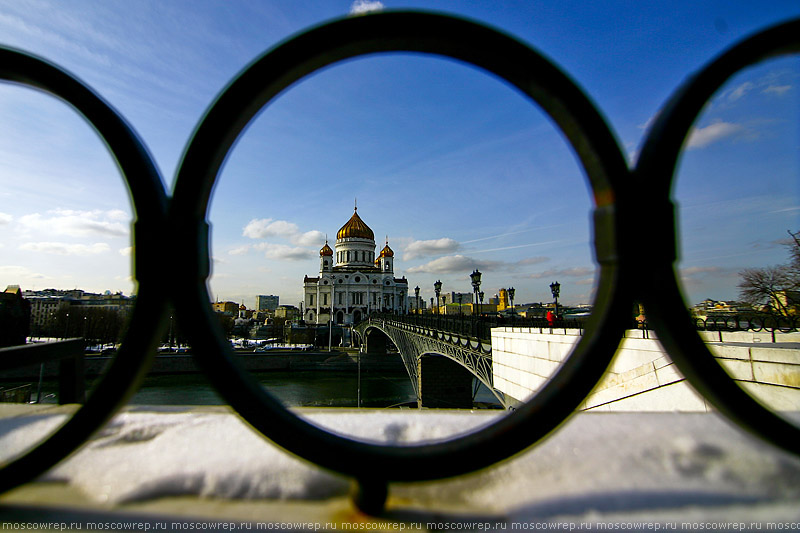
[(274, 360)]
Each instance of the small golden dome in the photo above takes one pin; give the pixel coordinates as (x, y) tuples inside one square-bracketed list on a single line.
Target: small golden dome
[(355, 228), (387, 252), (326, 250)]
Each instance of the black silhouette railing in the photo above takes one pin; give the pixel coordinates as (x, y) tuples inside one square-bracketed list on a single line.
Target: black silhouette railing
[(757, 323), (625, 200)]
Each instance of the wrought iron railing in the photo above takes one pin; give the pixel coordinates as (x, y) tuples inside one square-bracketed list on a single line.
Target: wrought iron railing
[(625, 199), (755, 323), (481, 327)]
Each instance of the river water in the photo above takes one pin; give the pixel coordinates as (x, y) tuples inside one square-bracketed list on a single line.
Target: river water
[(313, 388), (295, 388)]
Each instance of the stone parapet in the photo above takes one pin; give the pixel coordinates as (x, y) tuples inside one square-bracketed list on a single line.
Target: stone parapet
[(641, 376)]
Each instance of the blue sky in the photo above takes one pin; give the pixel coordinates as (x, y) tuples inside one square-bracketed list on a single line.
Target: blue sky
[(458, 170)]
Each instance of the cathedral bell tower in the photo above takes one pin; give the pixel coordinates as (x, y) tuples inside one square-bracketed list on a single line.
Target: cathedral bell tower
[(325, 258), (386, 259)]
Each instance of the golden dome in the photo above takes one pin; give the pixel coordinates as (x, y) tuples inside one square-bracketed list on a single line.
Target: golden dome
[(387, 252), (326, 250), (355, 228)]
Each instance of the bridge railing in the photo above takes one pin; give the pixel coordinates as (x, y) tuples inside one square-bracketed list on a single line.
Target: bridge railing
[(755, 323), (479, 327)]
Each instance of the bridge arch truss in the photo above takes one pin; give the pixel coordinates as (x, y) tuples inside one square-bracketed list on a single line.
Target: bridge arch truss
[(414, 341)]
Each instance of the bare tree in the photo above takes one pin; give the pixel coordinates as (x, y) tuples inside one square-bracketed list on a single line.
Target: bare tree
[(766, 287), (794, 251), (761, 287)]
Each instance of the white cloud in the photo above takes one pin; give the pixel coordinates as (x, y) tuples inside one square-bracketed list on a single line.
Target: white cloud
[(649, 122), (283, 252), (241, 250), (455, 263), (262, 228), (20, 274), (573, 272), (5, 218), (532, 260), (309, 238), (431, 247), (777, 89), (700, 270), (701, 137), (127, 251), (78, 223), (61, 248), (740, 91), (459, 263), (359, 7), (695, 276)]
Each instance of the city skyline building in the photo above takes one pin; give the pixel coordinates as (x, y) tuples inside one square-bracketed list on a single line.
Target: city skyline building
[(267, 302)]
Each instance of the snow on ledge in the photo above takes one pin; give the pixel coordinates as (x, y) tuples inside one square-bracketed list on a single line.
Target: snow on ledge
[(597, 462)]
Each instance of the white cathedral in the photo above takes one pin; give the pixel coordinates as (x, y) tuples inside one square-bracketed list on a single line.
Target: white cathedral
[(352, 282)]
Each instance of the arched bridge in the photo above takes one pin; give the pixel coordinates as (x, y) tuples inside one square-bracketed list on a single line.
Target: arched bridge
[(441, 356)]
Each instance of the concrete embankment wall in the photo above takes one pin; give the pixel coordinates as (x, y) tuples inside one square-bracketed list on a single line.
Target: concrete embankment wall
[(254, 362), (642, 377)]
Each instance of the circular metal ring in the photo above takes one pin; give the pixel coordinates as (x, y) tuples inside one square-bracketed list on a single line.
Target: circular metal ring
[(527, 71), (659, 286), (150, 207)]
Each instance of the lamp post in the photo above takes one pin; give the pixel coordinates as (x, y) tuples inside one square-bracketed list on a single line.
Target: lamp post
[(437, 288), (330, 320), (511, 297), (555, 288), (416, 293), (476, 285)]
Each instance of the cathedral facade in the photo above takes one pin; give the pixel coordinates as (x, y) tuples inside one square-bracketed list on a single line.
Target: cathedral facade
[(353, 282)]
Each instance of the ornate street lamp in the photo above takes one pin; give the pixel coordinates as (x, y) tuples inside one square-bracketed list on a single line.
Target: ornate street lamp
[(510, 292), (555, 288), (437, 288), (476, 285), (416, 293)]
